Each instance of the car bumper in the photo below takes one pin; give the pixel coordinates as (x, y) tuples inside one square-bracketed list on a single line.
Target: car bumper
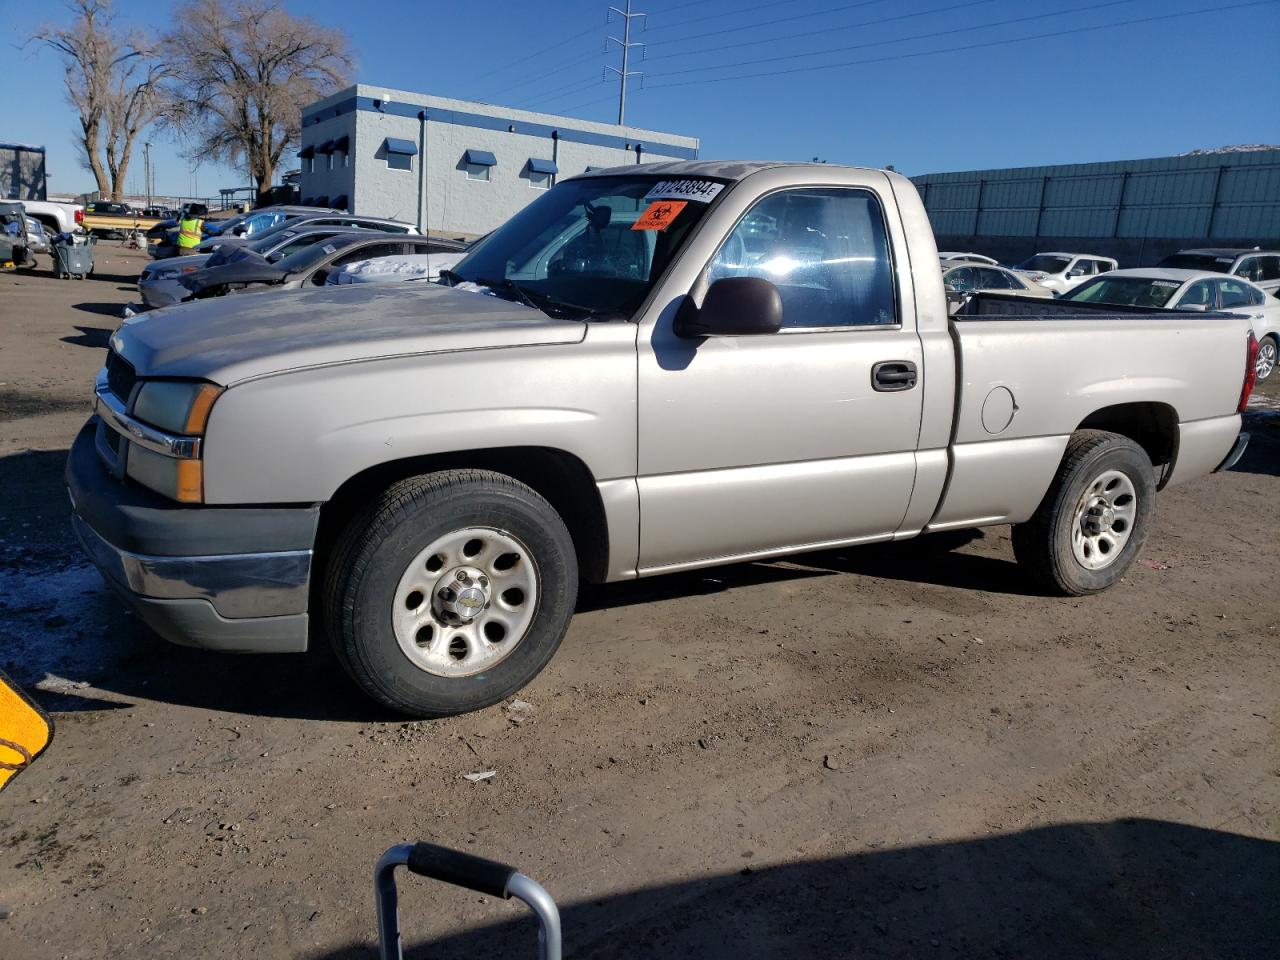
[(162, 293), (1237, 451), (221, 578)]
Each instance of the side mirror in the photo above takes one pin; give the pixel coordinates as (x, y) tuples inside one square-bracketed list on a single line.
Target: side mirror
[(1197, 307), (240, 230), (733, 307), (1076, 273)]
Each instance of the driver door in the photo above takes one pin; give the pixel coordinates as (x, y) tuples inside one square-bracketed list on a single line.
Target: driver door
[(750, 445)]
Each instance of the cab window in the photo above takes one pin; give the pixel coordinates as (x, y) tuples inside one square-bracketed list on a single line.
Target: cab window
[(826, 251)]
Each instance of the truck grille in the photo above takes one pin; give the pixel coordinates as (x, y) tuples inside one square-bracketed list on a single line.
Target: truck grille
[(120, 376)]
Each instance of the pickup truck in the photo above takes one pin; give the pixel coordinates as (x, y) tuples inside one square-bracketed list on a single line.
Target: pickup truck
[(647, 369), (56, 217)]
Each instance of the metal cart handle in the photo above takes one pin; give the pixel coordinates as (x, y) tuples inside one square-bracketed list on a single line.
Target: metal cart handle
[(462, 870)]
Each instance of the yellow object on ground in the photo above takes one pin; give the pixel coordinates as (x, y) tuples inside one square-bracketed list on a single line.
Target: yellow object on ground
[(25, 730)]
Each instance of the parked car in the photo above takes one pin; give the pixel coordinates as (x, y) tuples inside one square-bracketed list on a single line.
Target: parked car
[(162, 241), (309, 266), (37, 238), (423, 472), (316, 220), (414, 266), (160, 283), (1171, 289), (961, 279), (968, 258), (1060, 272), (1258, 266)]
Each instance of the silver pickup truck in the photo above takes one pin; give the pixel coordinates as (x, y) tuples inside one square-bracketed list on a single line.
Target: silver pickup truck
[(648, 369)]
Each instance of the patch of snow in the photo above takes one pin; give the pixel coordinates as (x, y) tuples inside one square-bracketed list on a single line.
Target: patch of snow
[(1238, 148), (417, 266)]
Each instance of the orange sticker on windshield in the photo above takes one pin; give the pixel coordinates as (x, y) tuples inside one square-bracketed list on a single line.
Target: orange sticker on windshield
[(659, 215)]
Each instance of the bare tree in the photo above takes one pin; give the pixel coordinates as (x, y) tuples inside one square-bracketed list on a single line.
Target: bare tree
[(113, 80), (248, 68)]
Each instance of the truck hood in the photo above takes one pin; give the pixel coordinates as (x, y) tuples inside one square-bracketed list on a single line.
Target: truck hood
[(236, 337)]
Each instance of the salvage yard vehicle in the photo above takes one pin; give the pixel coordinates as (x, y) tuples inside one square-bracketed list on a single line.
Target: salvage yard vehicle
[(762, 363), (1060, 272), (960, 278), (1258, 266), (413, 266), (160, 283), (1170, 289), (945, 256), (311, 265), (210, 244), (111, 219), (56, 216)]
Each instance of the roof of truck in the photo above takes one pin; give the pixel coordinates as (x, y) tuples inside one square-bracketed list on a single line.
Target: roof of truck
[(1224, 251), (722, 169)]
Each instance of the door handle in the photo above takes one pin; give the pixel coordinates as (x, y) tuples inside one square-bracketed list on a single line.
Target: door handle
[(892, 375)]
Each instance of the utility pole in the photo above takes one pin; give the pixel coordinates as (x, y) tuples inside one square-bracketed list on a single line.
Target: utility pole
[(626, 45), (146, 153)]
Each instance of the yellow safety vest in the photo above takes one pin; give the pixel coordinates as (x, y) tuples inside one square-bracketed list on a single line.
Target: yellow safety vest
[(189, 232)]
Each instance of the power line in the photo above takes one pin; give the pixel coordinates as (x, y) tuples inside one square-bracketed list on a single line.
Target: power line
[(537, 53), (918, 36), (832, 29), (970, 46), (768, 23), (721, 14)]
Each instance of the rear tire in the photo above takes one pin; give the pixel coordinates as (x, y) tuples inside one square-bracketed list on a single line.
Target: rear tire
[(1267, 353), (1092, 522), (450, 592)]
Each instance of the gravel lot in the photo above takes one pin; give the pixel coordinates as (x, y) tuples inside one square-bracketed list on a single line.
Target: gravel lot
[(894, 751)]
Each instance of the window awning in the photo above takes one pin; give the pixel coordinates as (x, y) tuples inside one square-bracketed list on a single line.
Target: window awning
[(322, 201), (309, 202), (589, 169), (405, 147), (326, 147), (542, 166), (306, 153), (340, 201), (481, 158), (343, 143)]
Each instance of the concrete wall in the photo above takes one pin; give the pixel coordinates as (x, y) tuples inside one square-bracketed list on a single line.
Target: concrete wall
[(441, 198)]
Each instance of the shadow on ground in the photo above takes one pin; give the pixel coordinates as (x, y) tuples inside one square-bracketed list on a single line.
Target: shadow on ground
[(1127, 890)]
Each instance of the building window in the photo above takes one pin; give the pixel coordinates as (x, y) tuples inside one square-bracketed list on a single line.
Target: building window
[(541, 172), (399, 153), (477, 164)]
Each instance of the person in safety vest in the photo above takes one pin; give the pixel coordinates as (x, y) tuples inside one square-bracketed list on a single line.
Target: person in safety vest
[(189, 231)]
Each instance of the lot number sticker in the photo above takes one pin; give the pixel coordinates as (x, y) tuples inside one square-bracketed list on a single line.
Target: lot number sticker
[(659, 215), (703, 191)]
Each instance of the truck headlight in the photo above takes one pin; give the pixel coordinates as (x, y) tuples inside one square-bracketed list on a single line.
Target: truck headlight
[(178, 406)]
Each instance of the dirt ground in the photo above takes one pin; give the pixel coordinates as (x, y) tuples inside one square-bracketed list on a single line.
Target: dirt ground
[(895, 751)]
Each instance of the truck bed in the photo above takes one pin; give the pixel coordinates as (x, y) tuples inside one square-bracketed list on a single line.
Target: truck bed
[(995, 306)]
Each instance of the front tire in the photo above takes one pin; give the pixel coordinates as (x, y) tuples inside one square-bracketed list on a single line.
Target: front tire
[(450, 592), (1091, 524)]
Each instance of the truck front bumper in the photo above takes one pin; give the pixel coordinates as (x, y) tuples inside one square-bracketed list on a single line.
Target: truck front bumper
[(222, 578)]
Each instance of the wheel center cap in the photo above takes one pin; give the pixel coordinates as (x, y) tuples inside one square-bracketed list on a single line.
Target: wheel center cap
[(462, 594)]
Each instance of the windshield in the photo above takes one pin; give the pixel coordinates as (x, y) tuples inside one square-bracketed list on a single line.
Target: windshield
[(1045, 263), (1126, 292), (290, 243), (309, 256), (590, 247), (1198, 261)]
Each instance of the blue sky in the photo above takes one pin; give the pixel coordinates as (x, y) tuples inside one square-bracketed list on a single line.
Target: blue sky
[(1124, 91)]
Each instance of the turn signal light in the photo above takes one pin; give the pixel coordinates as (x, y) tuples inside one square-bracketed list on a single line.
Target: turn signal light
[(190, 482), (201, 404)]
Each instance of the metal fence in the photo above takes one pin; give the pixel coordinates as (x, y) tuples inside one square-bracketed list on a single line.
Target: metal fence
[(1210, 197)]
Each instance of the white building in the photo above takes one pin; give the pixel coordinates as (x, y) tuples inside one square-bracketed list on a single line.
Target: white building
[(453, 166)]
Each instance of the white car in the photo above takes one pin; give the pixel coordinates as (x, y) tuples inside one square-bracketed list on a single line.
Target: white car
[(967, 257), (1060, 272), (1170, 289), (960, 278), (413, 266), (1261, 267)]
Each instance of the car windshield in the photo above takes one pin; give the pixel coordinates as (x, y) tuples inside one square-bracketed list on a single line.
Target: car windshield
[(290, 243), (590, 247), (1126, 292), (308, 257), (1045, 263), (1198, 261)]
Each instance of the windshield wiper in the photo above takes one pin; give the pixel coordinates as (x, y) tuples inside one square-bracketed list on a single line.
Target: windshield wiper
[(532, 298), (454, 278)]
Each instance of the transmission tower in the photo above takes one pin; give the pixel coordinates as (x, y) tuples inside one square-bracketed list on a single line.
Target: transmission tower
[(626, 44)]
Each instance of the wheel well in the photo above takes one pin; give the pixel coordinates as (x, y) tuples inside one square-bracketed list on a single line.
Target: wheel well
[(561, 478), (48, 221), (1152, 426)]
